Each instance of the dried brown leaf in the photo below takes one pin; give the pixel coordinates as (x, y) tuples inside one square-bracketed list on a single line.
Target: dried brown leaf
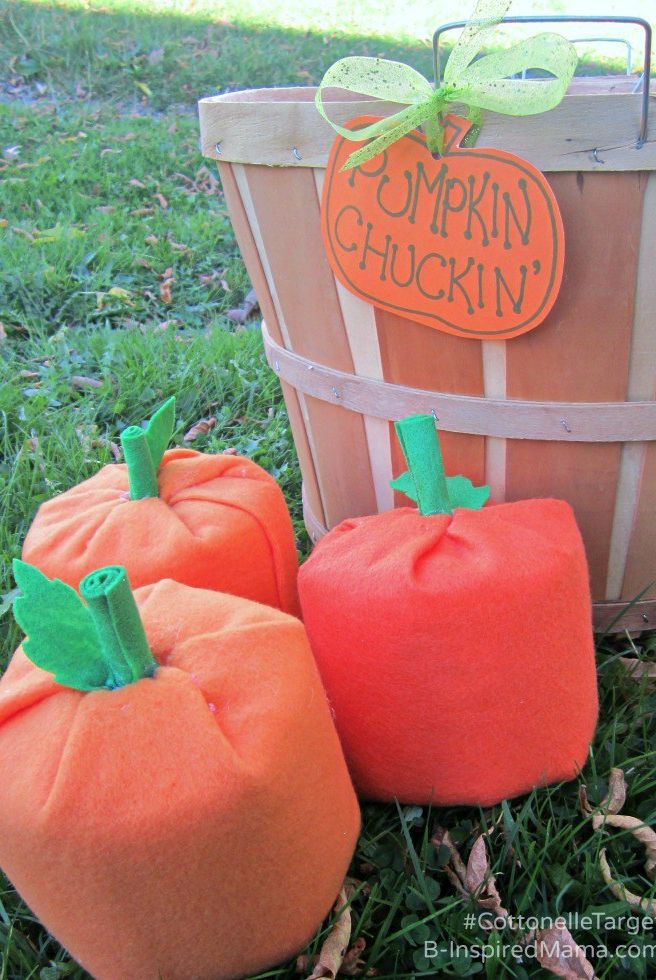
[(133, 182), (201, 428), (480, 884), (165, 293), (557, 951), (249, 306), (612, 802), (151, 240), (639, 669), (619, 891), (141, 212), (642, 833), (336, 943), (23, 233), (161, 200), (80, 381), (29, 374), (441, 838)]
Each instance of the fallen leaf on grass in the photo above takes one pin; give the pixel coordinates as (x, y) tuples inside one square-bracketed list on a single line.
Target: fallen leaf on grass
[(638, 669), (151, 240), (161, 200), (480, 883), (23, 233), (115, 293), (81, 381), (29, 374), (606, 815), (352, 964), (141, 212), (201, 428), (165, 293), (133, 182), (335, 946), (455, 869), (557, 951), (619, 891), (249, 306), (612, 802), (72, 139)]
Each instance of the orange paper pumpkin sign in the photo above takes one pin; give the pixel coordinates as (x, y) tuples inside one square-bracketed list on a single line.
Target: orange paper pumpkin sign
[(470, 243)]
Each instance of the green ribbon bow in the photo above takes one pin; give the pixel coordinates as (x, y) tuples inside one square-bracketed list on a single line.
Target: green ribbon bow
[(477, 84)]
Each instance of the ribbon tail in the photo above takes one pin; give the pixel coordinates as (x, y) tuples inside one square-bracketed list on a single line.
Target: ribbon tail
[(411, 118)]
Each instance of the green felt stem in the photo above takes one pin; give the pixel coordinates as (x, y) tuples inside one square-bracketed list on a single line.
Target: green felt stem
[(421, 448), (123, 640), (142, 473)]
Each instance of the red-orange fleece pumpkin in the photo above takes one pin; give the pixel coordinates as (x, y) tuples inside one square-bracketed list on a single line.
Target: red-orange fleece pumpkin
[(211, 521), (174, 804), (456, 648)]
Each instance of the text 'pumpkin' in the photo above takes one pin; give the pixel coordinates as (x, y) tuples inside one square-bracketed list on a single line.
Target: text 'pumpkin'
[(470, 243)]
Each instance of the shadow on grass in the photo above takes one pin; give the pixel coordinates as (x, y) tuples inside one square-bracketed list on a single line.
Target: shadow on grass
[(163, 60)]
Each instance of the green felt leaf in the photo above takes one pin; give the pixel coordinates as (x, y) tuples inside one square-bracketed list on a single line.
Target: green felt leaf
[(61, 634), (160, 430), (462, 492), (405, 484)]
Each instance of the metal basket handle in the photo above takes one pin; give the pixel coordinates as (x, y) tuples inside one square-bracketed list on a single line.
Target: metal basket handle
[(564, 19)]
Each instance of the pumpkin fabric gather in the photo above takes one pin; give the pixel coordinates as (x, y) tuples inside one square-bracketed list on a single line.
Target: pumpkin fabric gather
[(186, 802), (215, 522), (456, 648)]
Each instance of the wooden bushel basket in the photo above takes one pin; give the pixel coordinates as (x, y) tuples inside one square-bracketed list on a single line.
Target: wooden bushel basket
[(566, 410)]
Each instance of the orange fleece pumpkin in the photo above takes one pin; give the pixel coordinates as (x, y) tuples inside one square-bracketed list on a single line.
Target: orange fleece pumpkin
[(195, 823), (456, 649), (219, 522)]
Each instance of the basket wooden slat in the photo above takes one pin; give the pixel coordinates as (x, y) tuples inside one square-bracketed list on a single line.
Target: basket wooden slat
[(287, 207), (597, 345), (581, 353)]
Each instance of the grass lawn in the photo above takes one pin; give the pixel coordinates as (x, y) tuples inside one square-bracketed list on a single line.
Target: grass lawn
[(117, 267)]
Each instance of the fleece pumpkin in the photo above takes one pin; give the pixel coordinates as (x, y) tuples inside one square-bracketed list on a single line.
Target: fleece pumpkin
[(456, 648), (195, 822), (210, 521)]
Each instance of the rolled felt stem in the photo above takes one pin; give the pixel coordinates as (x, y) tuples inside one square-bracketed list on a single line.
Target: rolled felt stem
[(142, 473), (123, 640), (421, 448)]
